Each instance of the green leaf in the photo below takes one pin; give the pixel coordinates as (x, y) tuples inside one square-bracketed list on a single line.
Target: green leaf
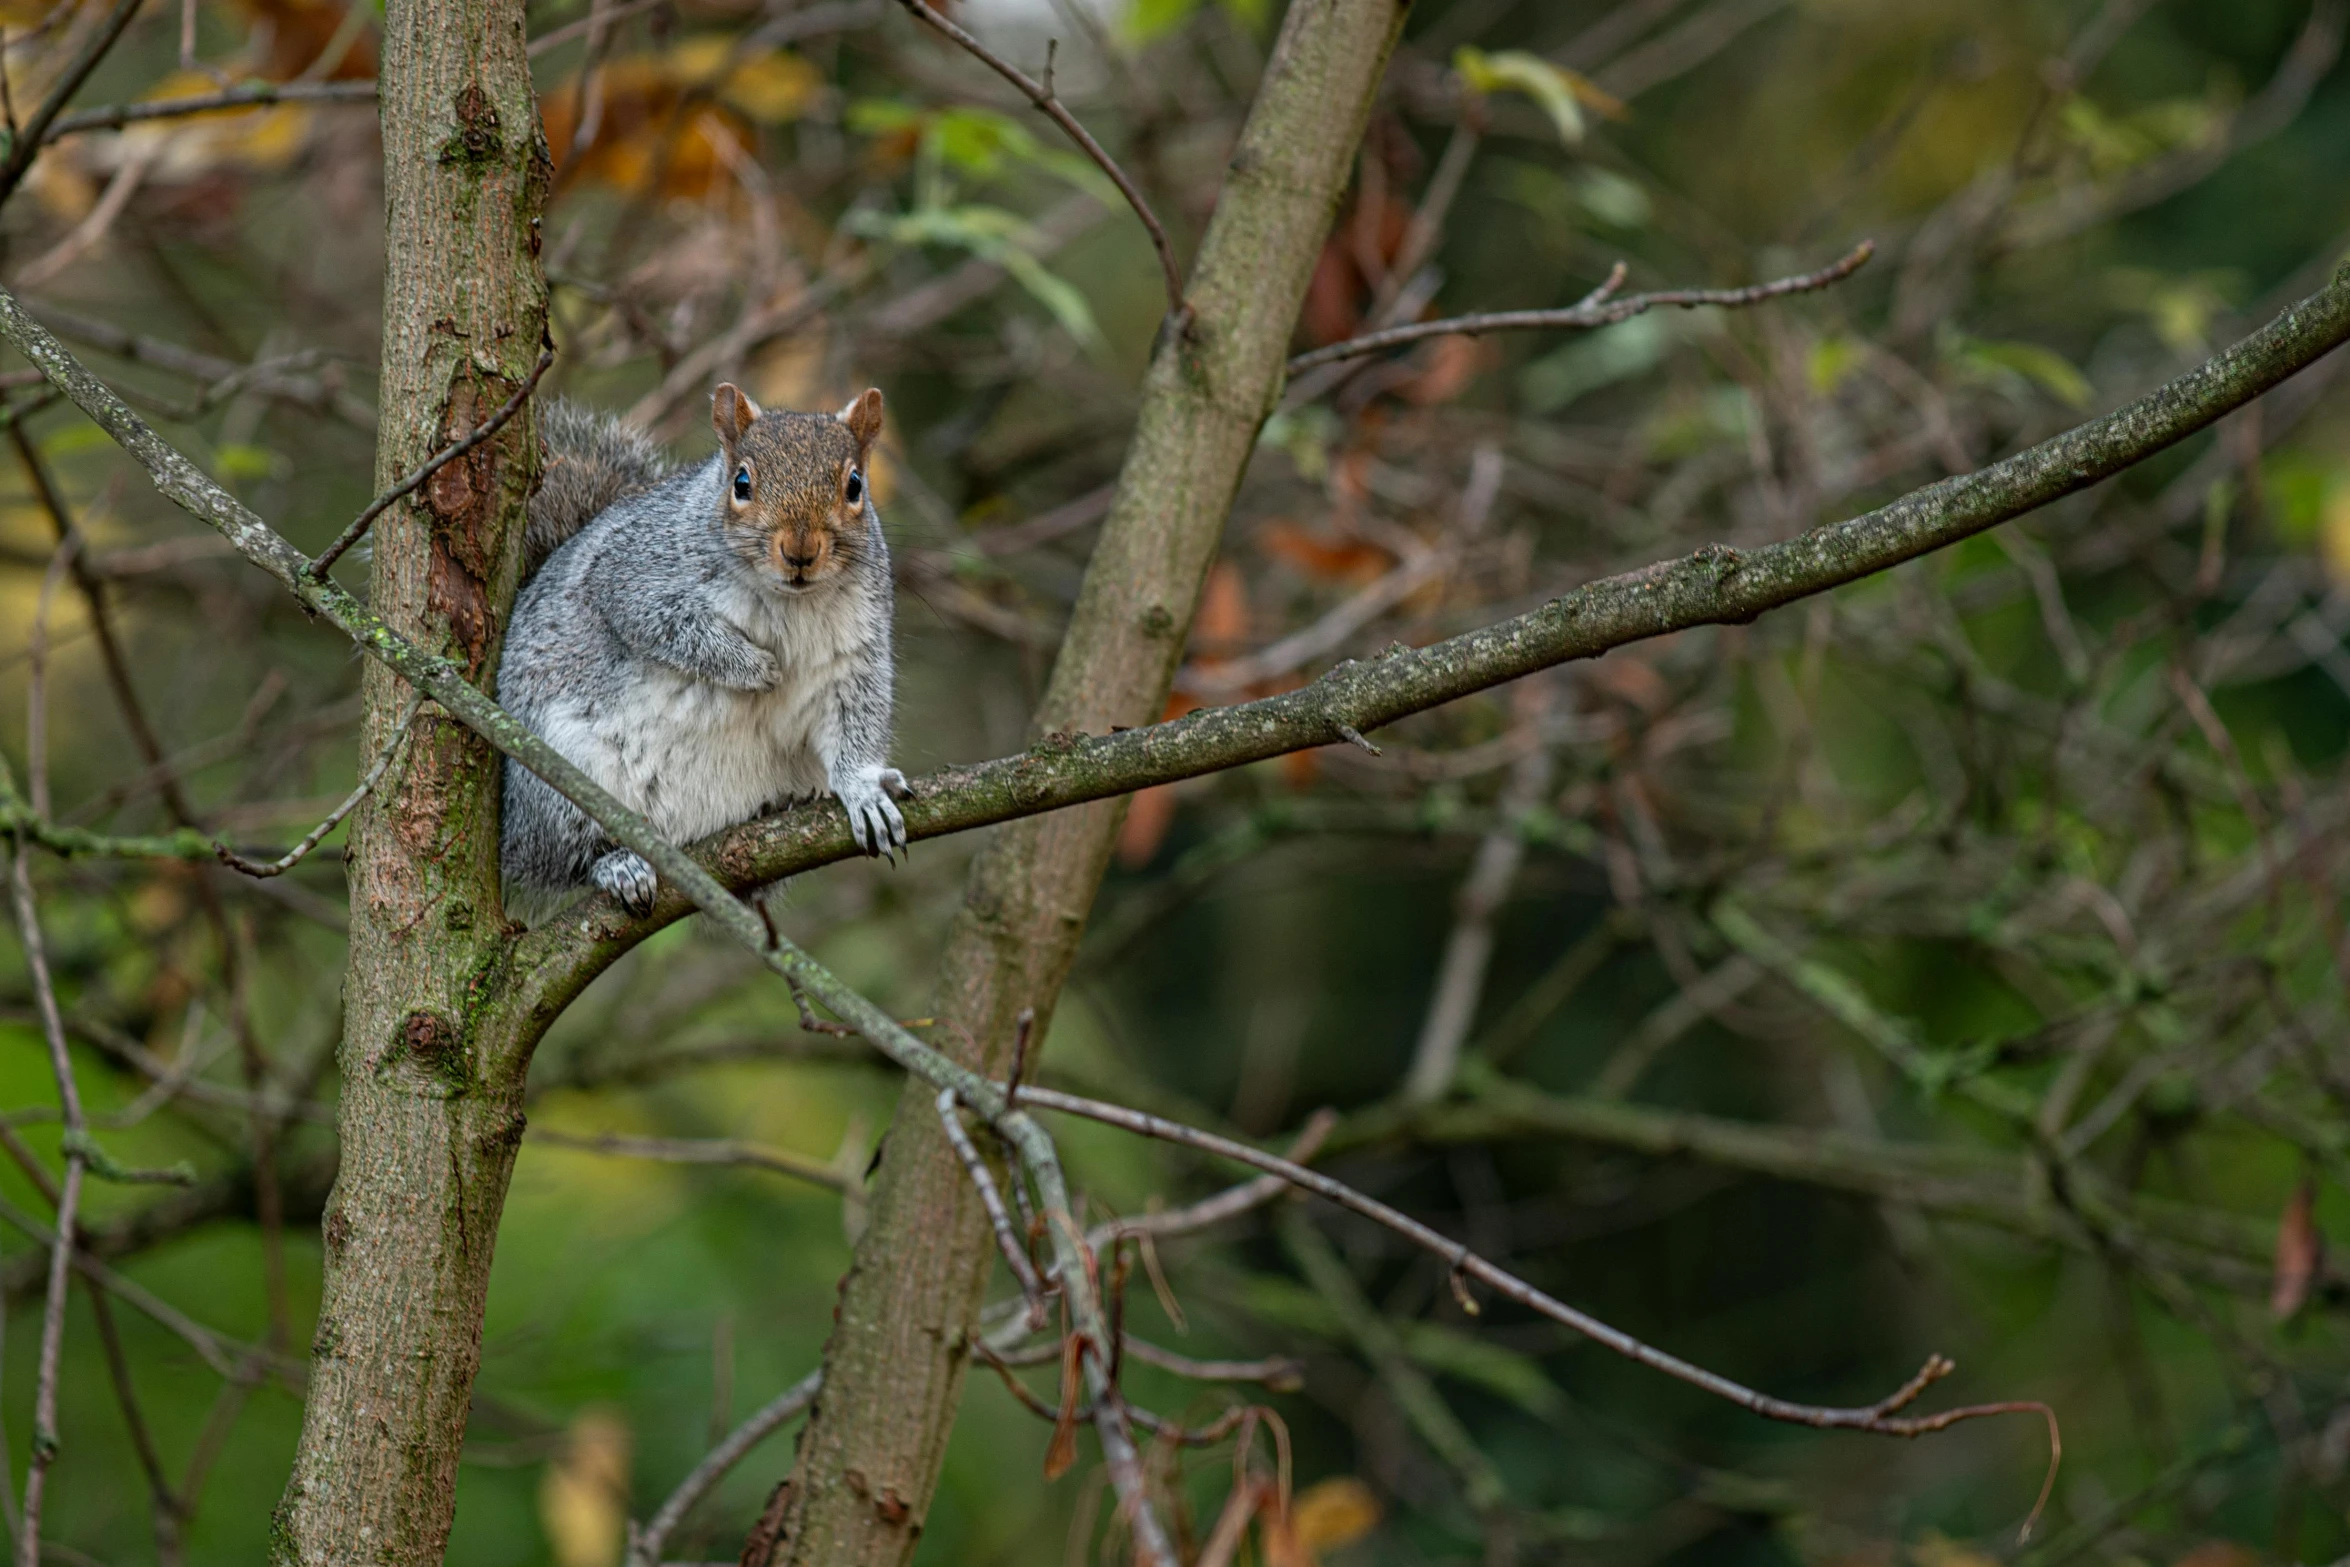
[(1612, 199), (1602, 359), (992, 234), (1553, 87), (1832, 359), (2040, 366), (1056, 294), (234, 462), (1149, 19)]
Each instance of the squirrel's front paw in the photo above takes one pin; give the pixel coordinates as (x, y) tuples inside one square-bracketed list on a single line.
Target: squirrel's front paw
[(874, 821), (750, 667), (627, 877)]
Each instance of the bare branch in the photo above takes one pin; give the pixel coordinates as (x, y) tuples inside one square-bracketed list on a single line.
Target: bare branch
[(1715, 585), (317, 835), (253, 95), (1230, 1203), (1883, 1418), (1596, 309), (644, 1549), (432, 465), (45, 1438), (680, 1150), (1006, 1234)]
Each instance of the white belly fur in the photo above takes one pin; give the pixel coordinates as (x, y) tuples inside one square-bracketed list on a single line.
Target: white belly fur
[(693, 757)]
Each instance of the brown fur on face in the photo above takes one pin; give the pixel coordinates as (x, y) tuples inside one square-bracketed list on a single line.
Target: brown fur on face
[(799, 520)]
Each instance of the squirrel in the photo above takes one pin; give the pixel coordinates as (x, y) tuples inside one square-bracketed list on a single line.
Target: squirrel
[(704, 642)]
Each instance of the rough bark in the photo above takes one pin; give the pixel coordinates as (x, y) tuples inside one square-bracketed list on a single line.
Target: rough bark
[(431, 1111), (869, 1459)]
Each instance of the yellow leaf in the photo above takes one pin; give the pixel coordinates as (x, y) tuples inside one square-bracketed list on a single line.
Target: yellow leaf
[(1333, 1512), (260, 139), (771, 87), (2333, 531), (1939, 1550), (583, 1498), (1555, 88), (1832, 359)]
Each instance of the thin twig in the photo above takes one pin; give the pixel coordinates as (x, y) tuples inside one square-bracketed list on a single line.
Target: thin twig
[(1882, 1418), (1085, 1414), (1041, 94), (1230, 1203), (432, 465), (678, 1150), (1280, 1372), (164, 1502), (254, 95), (69, 1196), (317, 835), (1006, 1234), (570, 30), (1023, 1027), (1596, 309), (644, 1549)]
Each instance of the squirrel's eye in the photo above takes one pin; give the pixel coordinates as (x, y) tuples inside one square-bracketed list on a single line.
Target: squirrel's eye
[(742, 484), (855, 488)]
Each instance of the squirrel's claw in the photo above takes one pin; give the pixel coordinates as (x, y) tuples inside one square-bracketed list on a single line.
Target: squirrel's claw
[(874, 820), (893, 784), (627, 877)]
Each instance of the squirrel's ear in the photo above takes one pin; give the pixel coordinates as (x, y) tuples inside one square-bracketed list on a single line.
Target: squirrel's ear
[(731, 413), (863, 417)]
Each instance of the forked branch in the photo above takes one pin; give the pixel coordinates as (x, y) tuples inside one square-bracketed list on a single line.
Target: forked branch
[(1883, 1418)]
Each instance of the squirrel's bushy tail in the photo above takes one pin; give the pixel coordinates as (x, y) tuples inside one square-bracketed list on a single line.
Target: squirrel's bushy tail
[(593, 459)]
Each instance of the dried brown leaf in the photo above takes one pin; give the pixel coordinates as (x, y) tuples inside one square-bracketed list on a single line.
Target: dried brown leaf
[(2299, 1250)]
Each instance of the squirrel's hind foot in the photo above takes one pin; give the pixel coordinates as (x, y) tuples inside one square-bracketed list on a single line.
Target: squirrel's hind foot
[(626, 876)]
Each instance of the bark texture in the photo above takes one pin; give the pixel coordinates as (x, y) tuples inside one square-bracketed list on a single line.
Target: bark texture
[(869, 1459), (431, 1108)]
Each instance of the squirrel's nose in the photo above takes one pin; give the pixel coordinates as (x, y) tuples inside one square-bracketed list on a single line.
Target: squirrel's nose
[(799, 562)]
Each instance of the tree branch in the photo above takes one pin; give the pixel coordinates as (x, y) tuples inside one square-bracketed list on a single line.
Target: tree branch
[(434, 464), (186, 485), (1883, 1418), (1596, 309), (257, 94), (1715, 585)]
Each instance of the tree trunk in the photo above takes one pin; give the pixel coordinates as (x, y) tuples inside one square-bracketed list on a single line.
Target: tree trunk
[(869, 1459), (431, 1108)]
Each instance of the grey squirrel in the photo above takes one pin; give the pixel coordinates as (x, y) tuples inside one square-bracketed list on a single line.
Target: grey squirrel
[(703, 643)]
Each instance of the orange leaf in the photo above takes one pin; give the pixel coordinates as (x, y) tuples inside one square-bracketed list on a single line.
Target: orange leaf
[(1063, 1452), (1451, 364), (2219, 1553), (2299, 1249), (1329, 557), (1334, 1512), (298, 32), (1632, 679), (1220, 629), (1147, 821)]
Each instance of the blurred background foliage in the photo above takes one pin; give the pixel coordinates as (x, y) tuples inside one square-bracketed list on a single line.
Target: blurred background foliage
[(1953, 963)]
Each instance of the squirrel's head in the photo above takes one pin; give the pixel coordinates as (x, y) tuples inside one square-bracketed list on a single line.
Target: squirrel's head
[(793, 497)]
